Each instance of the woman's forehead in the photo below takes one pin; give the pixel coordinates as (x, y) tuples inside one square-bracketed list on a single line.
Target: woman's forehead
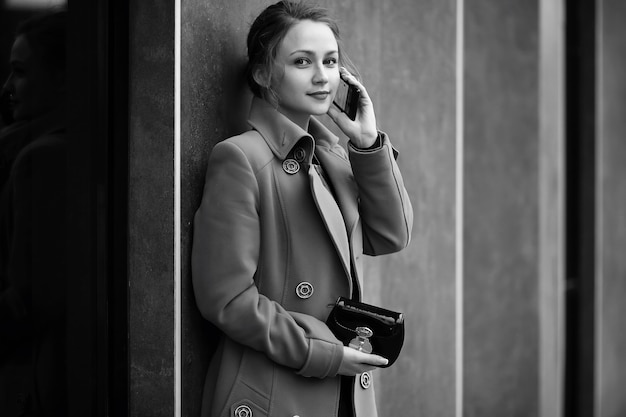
[(309, 36), (21, 51)]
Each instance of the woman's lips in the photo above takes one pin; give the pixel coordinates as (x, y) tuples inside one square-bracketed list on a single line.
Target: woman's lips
[(320, 95)]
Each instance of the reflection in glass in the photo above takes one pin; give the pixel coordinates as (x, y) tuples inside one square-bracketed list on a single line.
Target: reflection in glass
[(33, 153)]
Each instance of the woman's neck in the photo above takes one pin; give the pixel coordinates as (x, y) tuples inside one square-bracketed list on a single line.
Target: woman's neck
[(300, 120)]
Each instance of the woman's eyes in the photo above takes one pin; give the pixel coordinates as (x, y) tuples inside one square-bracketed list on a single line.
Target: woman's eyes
[(18, 69), (17, 72), (329, 62), (302, 61)]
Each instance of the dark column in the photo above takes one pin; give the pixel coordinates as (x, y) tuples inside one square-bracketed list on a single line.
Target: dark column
[(150, 209)]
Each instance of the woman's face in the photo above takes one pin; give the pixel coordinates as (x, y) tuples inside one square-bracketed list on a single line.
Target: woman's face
[(33, 90), (308, 57)]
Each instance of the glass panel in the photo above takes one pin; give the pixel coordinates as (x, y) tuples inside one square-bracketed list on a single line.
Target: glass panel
[(62, 222)]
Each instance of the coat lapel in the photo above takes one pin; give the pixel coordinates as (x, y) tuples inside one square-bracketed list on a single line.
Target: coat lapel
[(340, 175), (332, 217)]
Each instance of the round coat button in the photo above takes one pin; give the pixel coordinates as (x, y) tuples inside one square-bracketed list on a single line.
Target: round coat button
[(299, 154), (291, 166), (304, 290), (366, 380), (243, 411)]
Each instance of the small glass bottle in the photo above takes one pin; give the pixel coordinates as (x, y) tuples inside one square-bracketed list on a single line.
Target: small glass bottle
[(361, 341)]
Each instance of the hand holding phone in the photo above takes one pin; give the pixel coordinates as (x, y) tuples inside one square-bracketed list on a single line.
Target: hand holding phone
[(347, 98), (353, 100)]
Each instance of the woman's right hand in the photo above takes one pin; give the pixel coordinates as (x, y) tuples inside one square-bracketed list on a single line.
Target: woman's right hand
[(355, 362)]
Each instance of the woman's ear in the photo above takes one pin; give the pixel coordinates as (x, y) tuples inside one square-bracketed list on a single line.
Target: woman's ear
[(261, 77)]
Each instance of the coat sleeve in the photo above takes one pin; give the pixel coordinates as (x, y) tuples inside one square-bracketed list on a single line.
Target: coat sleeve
[(385, 208), (225, 254)]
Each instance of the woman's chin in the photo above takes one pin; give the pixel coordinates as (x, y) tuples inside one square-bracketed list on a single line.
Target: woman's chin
[(321, 110)]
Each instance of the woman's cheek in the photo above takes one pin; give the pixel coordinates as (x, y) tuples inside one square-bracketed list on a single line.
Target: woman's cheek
[(334, 82)]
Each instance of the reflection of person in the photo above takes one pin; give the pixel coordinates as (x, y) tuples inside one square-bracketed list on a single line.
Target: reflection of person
[(285, 218), (32, 199)]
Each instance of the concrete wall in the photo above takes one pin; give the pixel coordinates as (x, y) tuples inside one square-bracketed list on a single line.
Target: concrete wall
[(501, 209), (213, 107), (150, 209), (610, 204), (416, 96)]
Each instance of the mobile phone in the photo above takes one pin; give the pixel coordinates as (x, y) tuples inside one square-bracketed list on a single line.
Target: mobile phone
[(347, 98)]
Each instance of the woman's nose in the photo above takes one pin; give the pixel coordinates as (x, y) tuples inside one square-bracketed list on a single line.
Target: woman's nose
[(320, 76), (7, 84)]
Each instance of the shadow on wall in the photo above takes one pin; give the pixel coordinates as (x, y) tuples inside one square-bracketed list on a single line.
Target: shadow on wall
[(215, 105)]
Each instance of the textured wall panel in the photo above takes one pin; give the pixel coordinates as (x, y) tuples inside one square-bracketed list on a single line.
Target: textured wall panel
[(611, 283), (214, 106), (150, 210), (501, 327), (417, 107)]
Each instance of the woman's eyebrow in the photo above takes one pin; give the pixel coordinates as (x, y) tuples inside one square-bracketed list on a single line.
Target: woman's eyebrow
[(307, 52)]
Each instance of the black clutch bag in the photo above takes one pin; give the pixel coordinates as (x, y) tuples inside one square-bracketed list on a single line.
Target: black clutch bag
[(368, 328)]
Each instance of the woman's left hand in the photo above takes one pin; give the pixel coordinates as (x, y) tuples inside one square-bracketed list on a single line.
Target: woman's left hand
[(362, 130)]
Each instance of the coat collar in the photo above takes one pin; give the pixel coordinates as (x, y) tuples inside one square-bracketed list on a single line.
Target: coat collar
[(281, 134)]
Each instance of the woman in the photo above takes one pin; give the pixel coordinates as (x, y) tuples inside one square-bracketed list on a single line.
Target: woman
[(285, 218), (32, 227)]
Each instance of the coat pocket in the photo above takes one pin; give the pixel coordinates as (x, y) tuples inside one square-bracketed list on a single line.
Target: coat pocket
[(247, 402), (249, 396)]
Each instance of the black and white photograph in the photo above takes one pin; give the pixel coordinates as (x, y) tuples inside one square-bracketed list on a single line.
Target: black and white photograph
[(312, 208)]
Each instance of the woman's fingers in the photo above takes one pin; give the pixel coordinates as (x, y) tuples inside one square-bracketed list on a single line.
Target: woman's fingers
[(355, 362), (370, 359), (351, 79)]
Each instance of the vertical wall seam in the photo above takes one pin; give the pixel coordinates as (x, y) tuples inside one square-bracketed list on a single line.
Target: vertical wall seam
[(599, 218), (177, 218), (551, 153), (460, 69)]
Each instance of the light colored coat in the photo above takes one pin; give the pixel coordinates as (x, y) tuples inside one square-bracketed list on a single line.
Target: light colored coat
[(261, 233)]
